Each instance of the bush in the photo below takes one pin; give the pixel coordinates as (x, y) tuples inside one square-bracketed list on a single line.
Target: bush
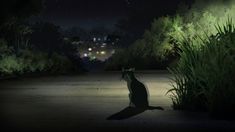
[(59, 64), (33, 61), (10, 65), (155, 50), (205, 75), (119, 59), (29, 61), (8, 62), (4, 48)]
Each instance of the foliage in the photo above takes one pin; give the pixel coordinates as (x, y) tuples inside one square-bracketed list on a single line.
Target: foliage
[(4, 48), (9, 65), (119, 59), (60, 64), (202, 17), (166, 34), (12, 16), (139, 17), (36, 48), (155, 50), (15, 10), (29, 61), (158, 41), (46, 37), (205, 75), (125, 58)]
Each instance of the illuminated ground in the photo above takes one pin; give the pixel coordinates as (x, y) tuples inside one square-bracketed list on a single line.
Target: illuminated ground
[(75, 103)]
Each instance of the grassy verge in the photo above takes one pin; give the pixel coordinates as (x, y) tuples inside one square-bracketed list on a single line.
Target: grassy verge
[(205, 75)]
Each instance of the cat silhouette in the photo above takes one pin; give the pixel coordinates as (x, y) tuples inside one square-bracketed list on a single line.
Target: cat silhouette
[(138, 93), (138, 96)]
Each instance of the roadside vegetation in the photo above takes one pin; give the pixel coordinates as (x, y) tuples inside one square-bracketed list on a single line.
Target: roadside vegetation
[(158, 47), (205, 74), (32, 48)]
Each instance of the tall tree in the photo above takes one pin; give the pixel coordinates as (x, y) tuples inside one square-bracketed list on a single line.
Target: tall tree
[(12, 16), (11, 10), (46, 37), (140, 15)]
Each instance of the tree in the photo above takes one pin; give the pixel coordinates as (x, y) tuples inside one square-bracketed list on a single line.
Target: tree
[(76, 32), (158, 41), (140, 15), (202, 17), (12, 10), (46, 37), (12, 25), (99, 31)]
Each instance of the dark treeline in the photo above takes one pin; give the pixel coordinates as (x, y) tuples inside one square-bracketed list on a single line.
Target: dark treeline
[(32, 48)]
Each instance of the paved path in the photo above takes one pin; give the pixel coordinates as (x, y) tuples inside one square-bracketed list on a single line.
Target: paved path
[(83, 102)]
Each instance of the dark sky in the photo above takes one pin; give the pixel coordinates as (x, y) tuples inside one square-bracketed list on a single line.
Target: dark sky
[(94, 13)]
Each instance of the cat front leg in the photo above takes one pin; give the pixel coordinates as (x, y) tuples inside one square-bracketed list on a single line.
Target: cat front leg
[(131, 104)]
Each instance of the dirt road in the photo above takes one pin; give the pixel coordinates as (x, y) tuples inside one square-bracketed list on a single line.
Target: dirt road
[(84, 102)]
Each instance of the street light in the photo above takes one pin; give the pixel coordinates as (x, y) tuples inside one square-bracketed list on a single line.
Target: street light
[(89, 49), (102, 52), (85, 55)]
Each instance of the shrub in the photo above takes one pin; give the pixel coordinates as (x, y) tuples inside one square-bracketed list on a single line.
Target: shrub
[(10, 65), (33, 61), (59, 64), (4, 48), (29, 61), (156, 48), (119, 59), (205, 75), (8, 62)]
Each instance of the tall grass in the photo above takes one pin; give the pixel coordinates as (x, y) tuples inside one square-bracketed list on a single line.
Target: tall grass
[(204, 78)]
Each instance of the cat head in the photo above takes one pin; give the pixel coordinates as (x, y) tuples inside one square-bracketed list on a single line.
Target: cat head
[(128, 73)]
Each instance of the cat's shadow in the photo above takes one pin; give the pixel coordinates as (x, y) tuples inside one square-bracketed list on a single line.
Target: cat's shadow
[(128, 112)]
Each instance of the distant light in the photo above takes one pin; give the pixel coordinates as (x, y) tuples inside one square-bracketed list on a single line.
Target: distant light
[(94, 39), (105, 38), (102, 52), (66, 39), (97, 52), (113, 52), (75, 43), (85, 54), (89, 49)]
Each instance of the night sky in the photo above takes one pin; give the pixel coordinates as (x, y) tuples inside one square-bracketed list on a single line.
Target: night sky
[(95, 13)]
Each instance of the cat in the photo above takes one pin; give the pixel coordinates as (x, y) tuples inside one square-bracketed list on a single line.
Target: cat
[(138, 93)]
